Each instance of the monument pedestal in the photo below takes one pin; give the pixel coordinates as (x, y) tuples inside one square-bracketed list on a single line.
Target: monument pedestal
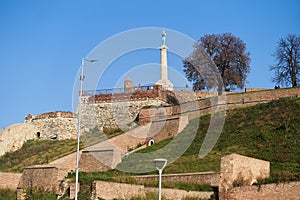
[(164, 81)]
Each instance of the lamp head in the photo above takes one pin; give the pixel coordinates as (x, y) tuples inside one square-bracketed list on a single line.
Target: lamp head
[(160, 163)]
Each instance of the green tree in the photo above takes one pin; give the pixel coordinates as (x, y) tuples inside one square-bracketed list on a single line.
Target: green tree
[(287, 55), (230, 66)]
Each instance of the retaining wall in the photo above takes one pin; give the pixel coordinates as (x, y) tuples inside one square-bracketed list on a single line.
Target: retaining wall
[(201, 178), (9, 180), (238, 169), (110, 190), (290, 191)]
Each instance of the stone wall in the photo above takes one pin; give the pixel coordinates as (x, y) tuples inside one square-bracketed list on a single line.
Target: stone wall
[(121, 109), (9, 180), (251, 98), (42, 176), (110, 190), (107, 154), (99, 160), (118, 110), (201, 178), (113, 114), (54, 125), (238, 169), (211, 103), (290, 191), (255, 89), (13, 137)]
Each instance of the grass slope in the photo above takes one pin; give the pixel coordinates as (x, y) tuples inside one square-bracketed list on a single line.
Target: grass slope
[(268, 131), (34, 152)]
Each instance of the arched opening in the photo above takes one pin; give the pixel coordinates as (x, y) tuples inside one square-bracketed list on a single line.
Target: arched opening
[(38, 135), (151, 142)]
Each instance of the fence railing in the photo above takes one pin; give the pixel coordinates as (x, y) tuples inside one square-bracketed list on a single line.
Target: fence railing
[(116, 90)]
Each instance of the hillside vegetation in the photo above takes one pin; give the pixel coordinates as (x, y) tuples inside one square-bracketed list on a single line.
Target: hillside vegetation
[(268, 131), (36, 152)]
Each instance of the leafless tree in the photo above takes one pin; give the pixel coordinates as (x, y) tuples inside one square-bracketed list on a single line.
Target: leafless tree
[(287, 55), (229, 56)]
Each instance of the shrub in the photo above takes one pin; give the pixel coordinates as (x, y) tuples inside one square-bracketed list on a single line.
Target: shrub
[(7, 194), (39, 193)]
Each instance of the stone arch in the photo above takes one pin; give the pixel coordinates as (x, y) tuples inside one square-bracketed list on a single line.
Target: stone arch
[(151, 142), (38, 134)]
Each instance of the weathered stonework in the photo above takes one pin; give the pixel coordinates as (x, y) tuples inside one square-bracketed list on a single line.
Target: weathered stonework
[(9, 180), (240, 169), (54, 125), (118, 110), (42, 176), (99, 160), (275, 191), (201, 178), (110, 190), (13, 137)]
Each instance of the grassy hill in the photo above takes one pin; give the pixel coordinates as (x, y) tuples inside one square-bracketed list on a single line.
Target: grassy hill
[(268, 131), (36, 152)]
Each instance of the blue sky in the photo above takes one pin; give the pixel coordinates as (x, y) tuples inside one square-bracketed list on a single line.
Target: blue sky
[(42, 42)]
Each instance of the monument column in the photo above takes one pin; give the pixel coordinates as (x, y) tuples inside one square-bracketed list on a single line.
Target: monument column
[(164, 81), (163, 63)]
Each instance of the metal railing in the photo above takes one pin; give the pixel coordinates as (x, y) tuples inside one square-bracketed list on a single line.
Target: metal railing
[(122, 90)]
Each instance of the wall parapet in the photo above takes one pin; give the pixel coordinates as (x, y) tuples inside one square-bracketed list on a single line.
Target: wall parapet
[(201, 178)]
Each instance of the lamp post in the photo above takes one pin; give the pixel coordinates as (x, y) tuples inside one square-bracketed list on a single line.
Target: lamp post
[(160, 169), (81, 93)]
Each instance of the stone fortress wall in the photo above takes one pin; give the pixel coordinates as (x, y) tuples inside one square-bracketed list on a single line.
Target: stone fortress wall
[(52, 126), (233, 167), (119, 110), (112, 110)]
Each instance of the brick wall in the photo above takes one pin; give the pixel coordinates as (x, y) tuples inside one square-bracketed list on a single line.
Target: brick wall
[(9, 180), (109, 190), (204, 106), (290, 191), (240, 169)]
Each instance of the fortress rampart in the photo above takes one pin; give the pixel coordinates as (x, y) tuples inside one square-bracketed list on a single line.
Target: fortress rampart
[(117, 110)]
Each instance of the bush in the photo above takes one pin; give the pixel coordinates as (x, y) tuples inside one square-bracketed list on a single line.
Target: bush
[(39, 193), (7, 194)]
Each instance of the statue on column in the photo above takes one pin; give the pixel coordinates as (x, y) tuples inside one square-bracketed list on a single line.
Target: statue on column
[(163, 37)]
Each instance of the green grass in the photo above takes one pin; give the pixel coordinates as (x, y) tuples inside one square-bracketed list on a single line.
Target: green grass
[(37, 152), (34, 152), (268, 131), (7, 194)]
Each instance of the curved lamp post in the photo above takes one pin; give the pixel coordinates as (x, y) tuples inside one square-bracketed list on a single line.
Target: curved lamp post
[(81, 93), (160, 164)]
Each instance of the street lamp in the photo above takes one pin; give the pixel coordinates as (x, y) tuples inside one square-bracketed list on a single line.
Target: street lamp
[(158, 162), (81, 93)]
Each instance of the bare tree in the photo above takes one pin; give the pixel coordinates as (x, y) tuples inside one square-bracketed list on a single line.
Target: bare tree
[(287, 55), (229, 56)]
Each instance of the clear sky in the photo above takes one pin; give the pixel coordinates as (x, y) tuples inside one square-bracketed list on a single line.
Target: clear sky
[(42, 42)]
